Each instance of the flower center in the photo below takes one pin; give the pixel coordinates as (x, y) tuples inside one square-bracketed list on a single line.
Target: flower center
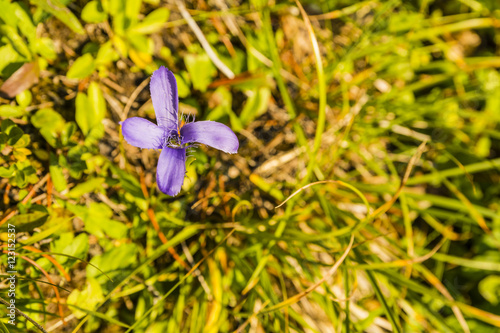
[(173, 141)]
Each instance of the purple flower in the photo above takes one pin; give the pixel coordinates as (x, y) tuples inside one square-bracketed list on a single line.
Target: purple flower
[(170, 136)]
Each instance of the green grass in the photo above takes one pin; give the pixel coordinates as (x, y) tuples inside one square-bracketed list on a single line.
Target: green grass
[(363, 198)]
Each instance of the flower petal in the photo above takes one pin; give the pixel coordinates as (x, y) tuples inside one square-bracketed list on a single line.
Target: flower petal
[(211, 133), (171, 170), (142, 133), (163, 89)]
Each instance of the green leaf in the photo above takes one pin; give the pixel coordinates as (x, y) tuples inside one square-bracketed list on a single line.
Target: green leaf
[(113, 7), (255, 105), (82, 67), (17, 41), (14, 135), (90, 185), (8, 56), (182, 87), (94, 13), (67, 131), (86, 299), (6, 172), (139, 42), (90, 112), (120, 24), (106, 54), (153, 22), (45, 47), (95, 134), (50, 124), (102, 227), (132, 9), (3, 328), (128, 182), (225, 108), (21, 153), (7, 125), (27, 222), (201, 70), (73, 246), (100, 315), (97, 103), (24, 98), (24, 22), (20, 179), (489, 288), (483, 147), (7, 14), (98, 222), (56, 174), (30, 173), (82, 106), (47, 118), (157, 327), (59, 10), (50, 135), (3, 141), (11, 111), (23, 141), (120, 45), (115, 263)]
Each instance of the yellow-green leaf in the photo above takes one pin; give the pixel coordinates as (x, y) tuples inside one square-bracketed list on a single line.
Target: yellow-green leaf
[(153, 22), (94, 13), (82, 67), (59, 10), (82, 105), (97, 103)]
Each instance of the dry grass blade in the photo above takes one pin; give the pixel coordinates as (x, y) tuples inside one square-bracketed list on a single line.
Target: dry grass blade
[(345, 11), (203, 41), (254, 314), (352, 188), (56, 291), (472, 210), (164, 239), (385, 207), (405, 262), (320, 126), (51, 259), (30, 194), (442, 289), (329, 274), (132, 98)]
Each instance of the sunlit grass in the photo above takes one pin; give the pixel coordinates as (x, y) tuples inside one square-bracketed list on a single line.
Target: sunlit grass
[(363, 198)]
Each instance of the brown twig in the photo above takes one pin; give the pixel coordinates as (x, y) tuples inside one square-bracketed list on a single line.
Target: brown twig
[(50, 187), (156, 226), (44, 272), (203, 41), (31, 193), (164, 239), (132, 98), (51, 259), (329, 274)]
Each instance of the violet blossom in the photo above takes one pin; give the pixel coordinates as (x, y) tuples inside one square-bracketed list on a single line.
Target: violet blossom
[(171, 136)]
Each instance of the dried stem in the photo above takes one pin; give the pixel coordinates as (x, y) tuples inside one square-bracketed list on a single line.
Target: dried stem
[(203, 41)]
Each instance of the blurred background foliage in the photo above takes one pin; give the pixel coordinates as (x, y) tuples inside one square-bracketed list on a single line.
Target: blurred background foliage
[(394, 111)]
